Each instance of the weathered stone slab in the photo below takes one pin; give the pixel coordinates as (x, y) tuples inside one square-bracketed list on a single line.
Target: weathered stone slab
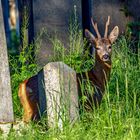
[(6, 107), (101, 9), (60, 96), (54, 16)]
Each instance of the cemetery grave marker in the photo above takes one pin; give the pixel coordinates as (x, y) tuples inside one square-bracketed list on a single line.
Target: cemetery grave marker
[(6, 106), (101, 9), (61, 93)]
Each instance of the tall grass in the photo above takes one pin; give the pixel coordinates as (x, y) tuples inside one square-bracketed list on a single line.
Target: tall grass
[(118, 116), (119, 113)]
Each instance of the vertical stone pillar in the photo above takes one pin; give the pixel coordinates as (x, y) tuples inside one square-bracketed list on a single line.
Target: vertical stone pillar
[(60, 97), (6, 106)]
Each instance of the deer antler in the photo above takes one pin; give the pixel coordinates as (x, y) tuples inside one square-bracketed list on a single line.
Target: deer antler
[(95, 28), (106, 27)]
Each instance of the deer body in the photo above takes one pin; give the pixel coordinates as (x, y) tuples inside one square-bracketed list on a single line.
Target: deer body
[(100, 73)]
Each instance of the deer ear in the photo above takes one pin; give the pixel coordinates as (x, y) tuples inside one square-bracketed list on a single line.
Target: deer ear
[(114, 34), (90, 36)]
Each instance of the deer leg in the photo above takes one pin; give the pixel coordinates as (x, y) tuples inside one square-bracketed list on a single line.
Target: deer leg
[(24, 99)]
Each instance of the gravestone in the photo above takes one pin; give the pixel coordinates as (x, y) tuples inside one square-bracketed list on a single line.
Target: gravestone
[(6, 106), (54, 89), (58, 95), (54, 16), (101, 9)]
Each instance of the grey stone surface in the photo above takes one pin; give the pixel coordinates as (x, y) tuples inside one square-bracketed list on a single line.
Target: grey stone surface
[(101, 9), (60, 99), (54, 16), (6, 107)]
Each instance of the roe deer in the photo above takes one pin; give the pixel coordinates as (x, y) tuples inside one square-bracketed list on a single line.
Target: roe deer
[(100, 73)]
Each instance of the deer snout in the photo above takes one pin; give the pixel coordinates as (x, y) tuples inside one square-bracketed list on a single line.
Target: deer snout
[(106, 57)]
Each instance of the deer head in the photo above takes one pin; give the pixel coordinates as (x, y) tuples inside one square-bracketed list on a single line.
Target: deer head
[(103, 45)]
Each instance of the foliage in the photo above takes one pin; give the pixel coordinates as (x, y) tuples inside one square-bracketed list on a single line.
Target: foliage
[(133, 28), (119, 113), (14, 43)]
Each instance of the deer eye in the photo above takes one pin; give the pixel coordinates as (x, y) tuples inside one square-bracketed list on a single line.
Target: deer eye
[(109, 47)]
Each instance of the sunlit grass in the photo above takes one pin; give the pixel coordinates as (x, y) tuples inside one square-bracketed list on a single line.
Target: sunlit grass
[(118, 116)]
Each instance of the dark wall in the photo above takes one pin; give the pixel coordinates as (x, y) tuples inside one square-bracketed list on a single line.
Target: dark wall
[(22, 6), (86, 14), (54, 16), (101, 9), (121, 11), (134, 8)]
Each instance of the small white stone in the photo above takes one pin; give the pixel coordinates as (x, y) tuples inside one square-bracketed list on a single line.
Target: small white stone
[(19, 126), (5, 128)]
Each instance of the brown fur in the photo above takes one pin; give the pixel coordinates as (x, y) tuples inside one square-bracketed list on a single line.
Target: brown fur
[(29, 99), (100, 73)]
